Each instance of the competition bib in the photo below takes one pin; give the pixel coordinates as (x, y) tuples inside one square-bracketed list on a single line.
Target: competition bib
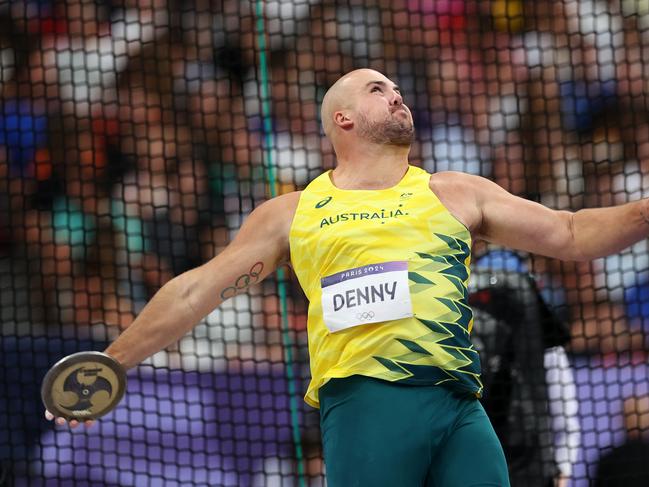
[(368, 294)]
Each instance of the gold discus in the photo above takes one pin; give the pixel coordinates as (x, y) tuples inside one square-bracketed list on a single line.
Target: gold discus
[(84, 385)]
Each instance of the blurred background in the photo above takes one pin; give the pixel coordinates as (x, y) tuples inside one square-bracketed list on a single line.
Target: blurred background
[(136, 135)]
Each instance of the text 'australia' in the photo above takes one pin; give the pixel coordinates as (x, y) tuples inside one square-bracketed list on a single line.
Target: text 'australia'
[(353, 216), (365, 295)]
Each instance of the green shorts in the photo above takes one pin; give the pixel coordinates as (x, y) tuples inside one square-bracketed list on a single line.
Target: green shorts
[(384, 434)]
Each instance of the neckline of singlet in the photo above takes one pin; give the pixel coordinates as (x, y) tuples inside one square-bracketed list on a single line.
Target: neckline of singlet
[(408, 174)]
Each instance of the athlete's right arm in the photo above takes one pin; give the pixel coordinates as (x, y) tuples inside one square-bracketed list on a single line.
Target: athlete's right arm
[(259, 248)]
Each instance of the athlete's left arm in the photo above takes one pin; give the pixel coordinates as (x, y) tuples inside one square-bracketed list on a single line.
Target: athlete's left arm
[(584, 235)]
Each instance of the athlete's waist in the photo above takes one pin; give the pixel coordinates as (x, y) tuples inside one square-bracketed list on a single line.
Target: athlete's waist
[(400, 338)]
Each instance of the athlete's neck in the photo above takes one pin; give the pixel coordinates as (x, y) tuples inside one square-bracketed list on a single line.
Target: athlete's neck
[(376, 167)]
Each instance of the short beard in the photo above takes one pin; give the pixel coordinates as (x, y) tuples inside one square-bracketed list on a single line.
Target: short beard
[(387, 132)]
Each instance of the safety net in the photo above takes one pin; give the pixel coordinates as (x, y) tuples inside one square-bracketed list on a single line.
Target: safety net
[(136, 136)]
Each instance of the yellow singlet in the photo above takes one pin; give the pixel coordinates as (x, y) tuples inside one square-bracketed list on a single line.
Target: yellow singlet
[(397, 253)]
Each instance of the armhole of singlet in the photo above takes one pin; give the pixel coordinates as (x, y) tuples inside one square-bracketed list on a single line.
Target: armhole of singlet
[(298, 207), (292, 226), (439, 200)]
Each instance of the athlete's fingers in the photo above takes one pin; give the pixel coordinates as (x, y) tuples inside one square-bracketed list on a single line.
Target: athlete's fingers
[(73, 423), (65, 373)]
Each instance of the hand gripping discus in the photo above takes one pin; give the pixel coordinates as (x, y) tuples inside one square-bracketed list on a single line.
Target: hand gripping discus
[(83, 386)]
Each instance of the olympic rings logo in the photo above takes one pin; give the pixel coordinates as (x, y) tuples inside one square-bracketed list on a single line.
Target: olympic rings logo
[(243, 281), (365, 316)]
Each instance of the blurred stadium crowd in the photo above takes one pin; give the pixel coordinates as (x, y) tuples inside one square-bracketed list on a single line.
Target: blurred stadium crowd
[(132, 145)]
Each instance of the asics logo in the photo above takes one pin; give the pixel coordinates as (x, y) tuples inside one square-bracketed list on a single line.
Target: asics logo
[(322, 203)]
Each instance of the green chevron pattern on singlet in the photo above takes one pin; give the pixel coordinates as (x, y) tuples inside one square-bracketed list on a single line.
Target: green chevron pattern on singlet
[(450, 331)]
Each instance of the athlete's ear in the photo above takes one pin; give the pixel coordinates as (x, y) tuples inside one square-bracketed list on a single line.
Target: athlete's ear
[(342, 120)]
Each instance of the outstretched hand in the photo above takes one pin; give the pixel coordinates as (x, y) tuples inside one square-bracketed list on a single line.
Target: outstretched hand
[(62, 421)]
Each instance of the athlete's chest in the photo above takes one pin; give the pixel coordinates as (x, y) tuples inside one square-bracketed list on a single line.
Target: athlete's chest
[(338, 218)]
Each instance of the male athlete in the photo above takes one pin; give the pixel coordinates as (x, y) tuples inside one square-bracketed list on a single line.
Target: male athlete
[(382, 251)]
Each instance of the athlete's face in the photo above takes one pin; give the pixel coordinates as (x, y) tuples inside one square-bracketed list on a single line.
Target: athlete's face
[(381, 115)]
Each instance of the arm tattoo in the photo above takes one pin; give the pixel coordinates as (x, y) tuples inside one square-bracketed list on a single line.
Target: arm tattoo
[(244, 281)]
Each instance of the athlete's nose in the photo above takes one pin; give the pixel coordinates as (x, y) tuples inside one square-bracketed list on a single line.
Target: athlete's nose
[(396, 98)]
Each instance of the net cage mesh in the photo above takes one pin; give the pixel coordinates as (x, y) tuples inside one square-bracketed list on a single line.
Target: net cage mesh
[(135, 136)]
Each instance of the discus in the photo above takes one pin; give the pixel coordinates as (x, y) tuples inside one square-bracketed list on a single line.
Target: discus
[(83, 386)]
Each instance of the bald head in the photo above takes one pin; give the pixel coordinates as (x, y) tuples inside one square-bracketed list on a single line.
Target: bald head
[(364, 105), (340, 95)]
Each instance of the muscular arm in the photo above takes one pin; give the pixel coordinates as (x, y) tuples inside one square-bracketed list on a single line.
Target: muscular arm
[(494, 215), (260, 246)]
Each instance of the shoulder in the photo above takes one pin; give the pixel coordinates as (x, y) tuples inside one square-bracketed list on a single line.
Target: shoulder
[(461, 187), (456, 180), (286, 200), (278, 209), (270, 222), (461, 194)]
